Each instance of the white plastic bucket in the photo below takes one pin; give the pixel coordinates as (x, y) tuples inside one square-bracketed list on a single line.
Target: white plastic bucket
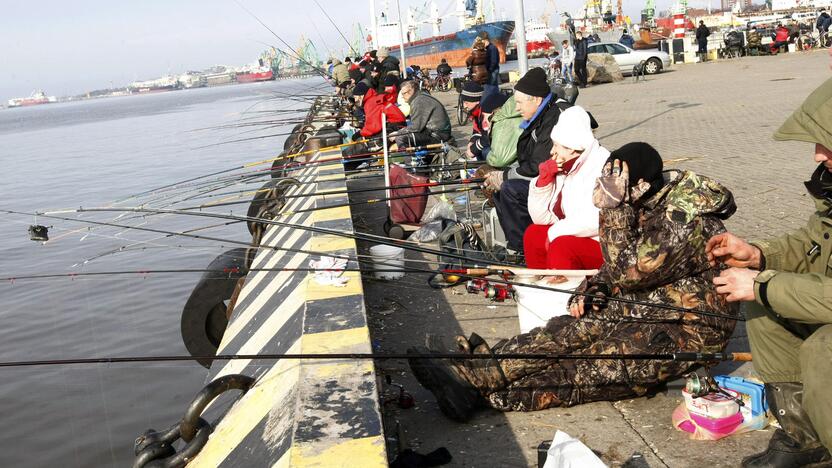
[(536, 306), (387, 257)]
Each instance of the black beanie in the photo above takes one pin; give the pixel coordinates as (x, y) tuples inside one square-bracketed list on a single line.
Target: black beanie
[(492, 101), (471, 91), (533, 83), (391, 80), (360, 89), (644, 163)]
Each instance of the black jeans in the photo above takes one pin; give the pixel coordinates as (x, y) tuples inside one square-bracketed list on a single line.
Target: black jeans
[(511, 203), (580, 71)]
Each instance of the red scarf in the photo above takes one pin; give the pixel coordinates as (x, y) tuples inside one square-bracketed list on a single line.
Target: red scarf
[(565, 169)]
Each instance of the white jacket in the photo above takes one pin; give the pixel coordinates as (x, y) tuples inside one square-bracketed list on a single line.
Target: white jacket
[(567, 55), (580, 214)]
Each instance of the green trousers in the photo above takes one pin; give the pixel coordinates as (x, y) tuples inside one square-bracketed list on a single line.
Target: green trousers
[(788, 349)]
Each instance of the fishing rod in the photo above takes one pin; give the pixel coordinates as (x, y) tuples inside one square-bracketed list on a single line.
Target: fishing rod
[(372, 238), (681, 356), (343, 192), (336, 28), (295, 52)]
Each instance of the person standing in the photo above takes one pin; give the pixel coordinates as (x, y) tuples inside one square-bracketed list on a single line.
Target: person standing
[(492, 60), (580, 44), (786, 284), (567, 61), (702, 33)]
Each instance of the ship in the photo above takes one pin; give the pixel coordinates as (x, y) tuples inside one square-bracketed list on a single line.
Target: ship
[(251, 75), (454, 47), (538, 43), (165, 83), (36, 98)]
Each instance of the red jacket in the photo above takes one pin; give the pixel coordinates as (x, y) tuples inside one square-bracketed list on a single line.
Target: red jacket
[(781, 34), (374, 105), (476, 118)]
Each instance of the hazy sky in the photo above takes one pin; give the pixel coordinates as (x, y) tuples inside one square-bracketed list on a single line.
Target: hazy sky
[(67, 47)]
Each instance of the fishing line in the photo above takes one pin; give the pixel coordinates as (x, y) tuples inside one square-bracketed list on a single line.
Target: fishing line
[(385, 241), (684, 356), (336, 28)]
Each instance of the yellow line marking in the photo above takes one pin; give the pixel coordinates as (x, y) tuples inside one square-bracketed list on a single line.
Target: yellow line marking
[(366, 452), (315, 291), (330, 214), (329, 243)]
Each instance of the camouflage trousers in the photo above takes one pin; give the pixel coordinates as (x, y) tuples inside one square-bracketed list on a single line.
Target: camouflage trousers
[(531, 385)]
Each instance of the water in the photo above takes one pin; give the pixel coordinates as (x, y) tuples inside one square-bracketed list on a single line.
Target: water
[(90, 154)]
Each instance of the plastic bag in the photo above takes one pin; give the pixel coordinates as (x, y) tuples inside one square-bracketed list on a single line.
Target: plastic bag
[(441, 210), (684, 421), (429, 232), (568, 452)]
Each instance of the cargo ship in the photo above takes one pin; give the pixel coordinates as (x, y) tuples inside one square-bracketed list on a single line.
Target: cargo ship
[(454, 47), (538, 43), (253, 75), (36, 98)]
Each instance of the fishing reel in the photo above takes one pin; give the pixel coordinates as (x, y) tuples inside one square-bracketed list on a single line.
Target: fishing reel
[(495, 292), (699, 386)]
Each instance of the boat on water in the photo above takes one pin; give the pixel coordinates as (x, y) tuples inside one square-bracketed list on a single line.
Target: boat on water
[(254, 75), (36, 98), (165, 83), (454, 47), (538, 43)]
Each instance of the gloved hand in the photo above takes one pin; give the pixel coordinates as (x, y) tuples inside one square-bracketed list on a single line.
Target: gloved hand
[(581, 304), (356, 136), (613, 187), (547, 171), (494, 180)]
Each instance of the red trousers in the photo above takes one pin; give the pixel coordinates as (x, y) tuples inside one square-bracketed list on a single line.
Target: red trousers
[(563, 253)]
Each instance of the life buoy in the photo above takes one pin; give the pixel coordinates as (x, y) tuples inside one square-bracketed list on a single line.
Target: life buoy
[(204, 317)]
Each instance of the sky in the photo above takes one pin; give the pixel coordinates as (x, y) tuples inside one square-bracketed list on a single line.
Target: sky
[(68, 47)]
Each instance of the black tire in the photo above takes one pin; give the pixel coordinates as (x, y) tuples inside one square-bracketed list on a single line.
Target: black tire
[(293, 137), (396, 232), (386, 227), (461, 115), (268, 201), (652, 66), (204, 318)]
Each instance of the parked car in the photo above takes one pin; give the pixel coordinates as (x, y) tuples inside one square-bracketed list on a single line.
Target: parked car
[(655, 60)]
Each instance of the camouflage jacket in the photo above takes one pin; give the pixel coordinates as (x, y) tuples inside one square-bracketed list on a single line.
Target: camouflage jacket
[(656, 252)]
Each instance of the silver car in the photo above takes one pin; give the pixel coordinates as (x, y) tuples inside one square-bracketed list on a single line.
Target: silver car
[(654, 59)]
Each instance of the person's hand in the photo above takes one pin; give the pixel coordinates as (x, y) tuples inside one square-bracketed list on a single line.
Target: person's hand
[(613, 187), (733, 251), (736, 284), (356, 136), (468, 153), (578, 304), (547, 171), (494, 180)]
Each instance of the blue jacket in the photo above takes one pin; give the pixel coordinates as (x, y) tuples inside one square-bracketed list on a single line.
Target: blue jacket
[(492, 58)]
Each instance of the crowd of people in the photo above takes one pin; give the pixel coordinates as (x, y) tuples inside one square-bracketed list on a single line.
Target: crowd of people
[(656, 238)]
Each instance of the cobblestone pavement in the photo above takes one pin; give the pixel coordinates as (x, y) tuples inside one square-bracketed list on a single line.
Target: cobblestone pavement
[(716, 119)]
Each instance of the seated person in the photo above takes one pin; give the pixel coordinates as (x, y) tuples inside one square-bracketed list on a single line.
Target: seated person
[(781, 38), (753, 40), (429, 121), (565, 230), (653, 231), (377, 104), (471, 96), (479, 146), (443, 69), (536, 104)]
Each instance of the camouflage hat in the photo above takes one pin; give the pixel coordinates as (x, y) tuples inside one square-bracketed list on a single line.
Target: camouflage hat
[(812, 121)]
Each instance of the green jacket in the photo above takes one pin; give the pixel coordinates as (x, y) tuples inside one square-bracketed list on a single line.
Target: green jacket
[(505, 131), (798, 275)]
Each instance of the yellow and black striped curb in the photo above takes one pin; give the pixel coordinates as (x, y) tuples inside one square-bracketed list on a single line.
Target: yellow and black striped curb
[(307, 412)]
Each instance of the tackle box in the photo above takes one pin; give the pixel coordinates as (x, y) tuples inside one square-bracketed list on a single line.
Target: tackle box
[(712, 405), (752, 393)]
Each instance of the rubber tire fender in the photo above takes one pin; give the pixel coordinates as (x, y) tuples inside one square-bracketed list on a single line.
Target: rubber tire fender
[(204, 316), (293, 137), (269, 197)]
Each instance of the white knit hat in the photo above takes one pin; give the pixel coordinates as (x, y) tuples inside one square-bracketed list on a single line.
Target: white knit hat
[(573, 129)]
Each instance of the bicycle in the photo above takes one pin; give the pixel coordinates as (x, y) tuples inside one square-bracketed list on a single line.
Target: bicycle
[(442, 83), (461, 113)]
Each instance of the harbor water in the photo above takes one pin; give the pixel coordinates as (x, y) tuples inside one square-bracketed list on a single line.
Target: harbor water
[(93, 153)]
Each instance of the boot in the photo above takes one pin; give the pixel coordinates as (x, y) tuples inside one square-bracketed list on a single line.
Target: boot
[(485, 374), (456, 396), (796, 444)]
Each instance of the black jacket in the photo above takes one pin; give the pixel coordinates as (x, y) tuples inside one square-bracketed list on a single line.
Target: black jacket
[(535, 143), (702, 33), (492, 58), (580, 48), (444, 69), (390, 64)]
